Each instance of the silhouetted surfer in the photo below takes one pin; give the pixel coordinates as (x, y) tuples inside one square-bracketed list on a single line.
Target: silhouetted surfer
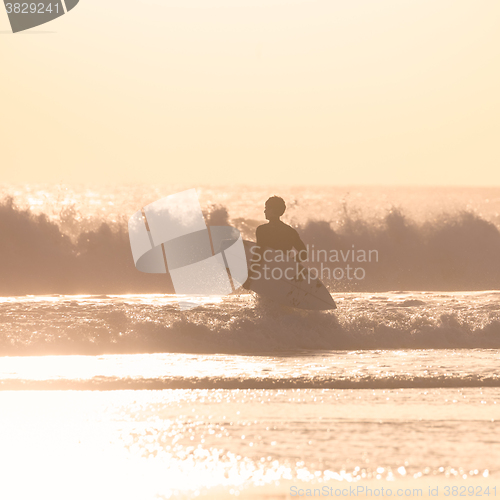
[(276, 234), (274, 268)]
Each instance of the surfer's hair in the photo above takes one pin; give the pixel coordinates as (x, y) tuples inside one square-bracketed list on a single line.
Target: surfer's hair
[(277, 204)]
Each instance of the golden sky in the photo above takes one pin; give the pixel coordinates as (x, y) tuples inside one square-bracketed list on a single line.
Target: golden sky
[(255, 91)]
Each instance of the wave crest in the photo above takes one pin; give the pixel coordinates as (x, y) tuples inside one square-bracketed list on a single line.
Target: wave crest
[(457, 251)]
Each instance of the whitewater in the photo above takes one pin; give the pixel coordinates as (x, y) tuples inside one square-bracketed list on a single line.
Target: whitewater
[(240, 324), (108, 390)]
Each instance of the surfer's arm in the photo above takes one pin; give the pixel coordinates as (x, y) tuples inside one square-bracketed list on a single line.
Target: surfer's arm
[(298, 244), (260, 237)]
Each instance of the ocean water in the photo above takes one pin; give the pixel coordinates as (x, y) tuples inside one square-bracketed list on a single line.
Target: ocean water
[(236, 398), (74, 240), (108, 390)]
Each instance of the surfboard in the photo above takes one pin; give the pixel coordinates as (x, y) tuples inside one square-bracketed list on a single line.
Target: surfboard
[(287, 283)]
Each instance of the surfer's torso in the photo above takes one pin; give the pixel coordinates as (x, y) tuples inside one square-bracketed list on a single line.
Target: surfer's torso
[(279, 236)]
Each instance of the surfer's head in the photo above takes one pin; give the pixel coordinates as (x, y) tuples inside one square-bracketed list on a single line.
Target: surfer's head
[(275, 208)]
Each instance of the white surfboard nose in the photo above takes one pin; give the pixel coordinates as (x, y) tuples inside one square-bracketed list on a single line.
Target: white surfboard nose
[(27, 15)]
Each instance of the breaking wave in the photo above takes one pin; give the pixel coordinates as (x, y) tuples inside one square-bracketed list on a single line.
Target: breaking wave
[(126, 325), (455, 251)]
